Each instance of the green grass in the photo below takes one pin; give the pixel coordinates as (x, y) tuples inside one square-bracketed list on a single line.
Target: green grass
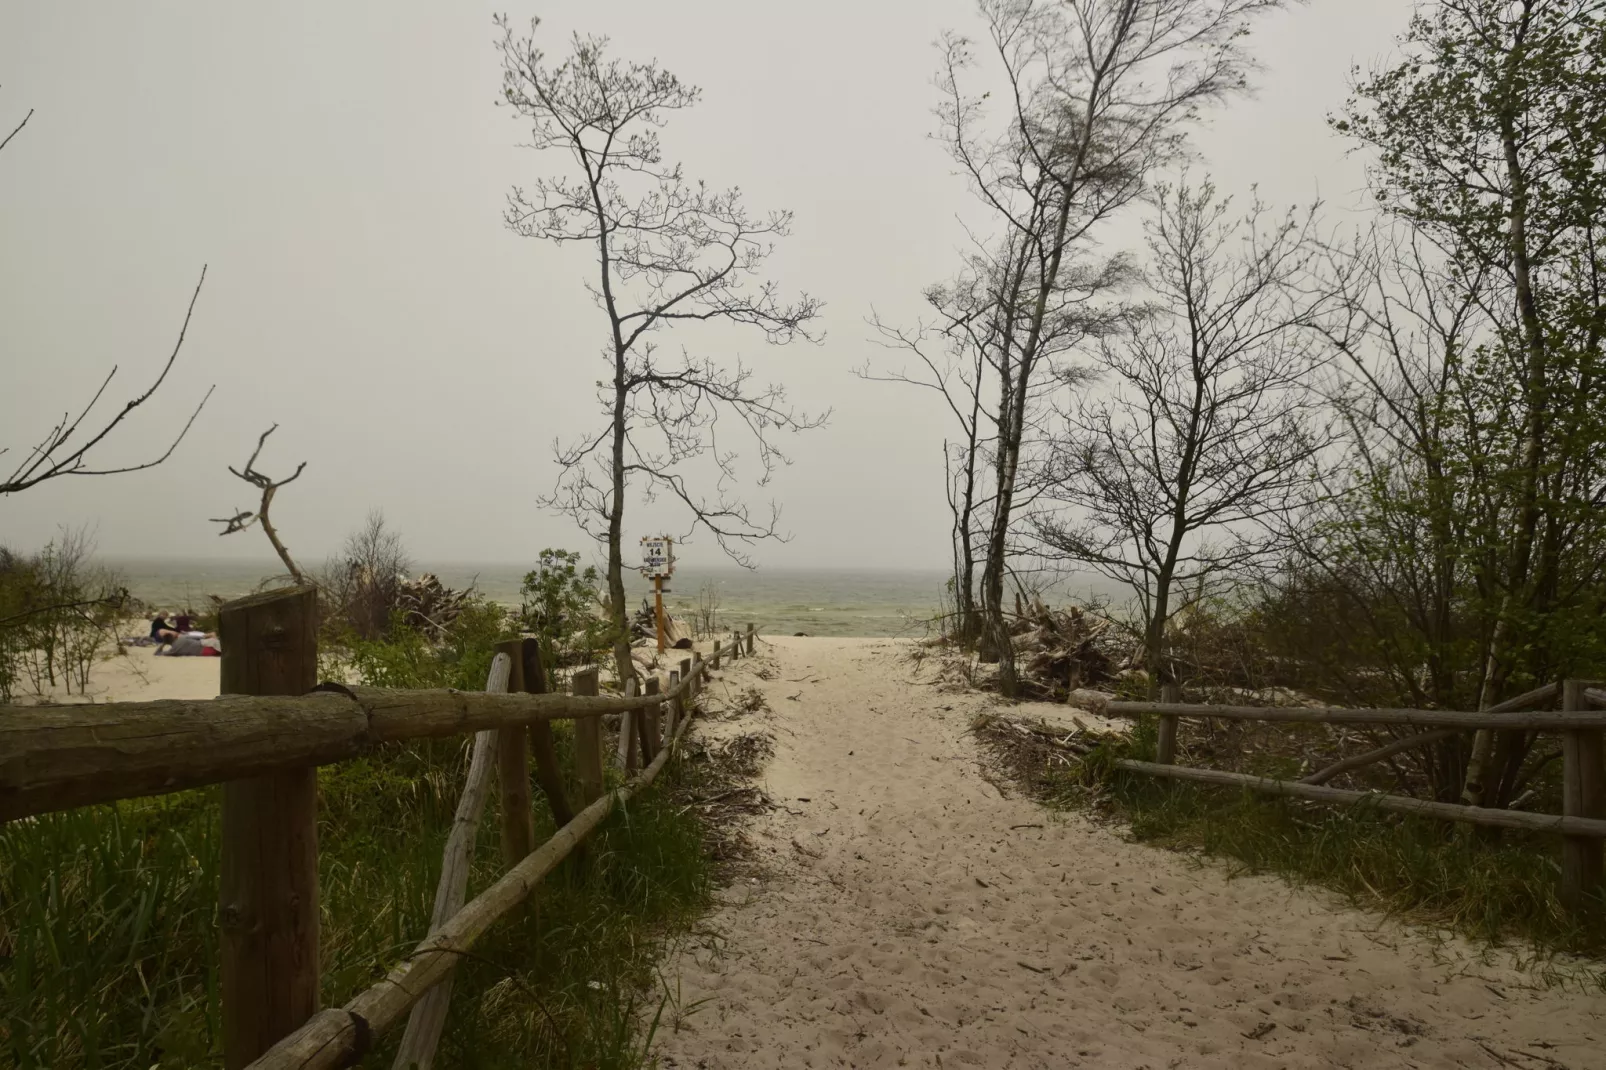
[(112, 947), (1424, 871)]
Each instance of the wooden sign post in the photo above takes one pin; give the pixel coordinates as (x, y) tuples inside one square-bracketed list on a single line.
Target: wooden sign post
[(658, 562)]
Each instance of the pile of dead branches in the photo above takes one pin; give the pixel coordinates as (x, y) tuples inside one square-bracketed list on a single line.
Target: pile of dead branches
[(428, 605), (1059, 650), (1034, 756)]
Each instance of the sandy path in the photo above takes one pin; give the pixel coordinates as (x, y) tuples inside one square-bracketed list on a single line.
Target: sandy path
[(916, 917)]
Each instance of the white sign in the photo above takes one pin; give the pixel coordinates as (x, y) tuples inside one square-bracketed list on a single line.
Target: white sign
[(657, 555)]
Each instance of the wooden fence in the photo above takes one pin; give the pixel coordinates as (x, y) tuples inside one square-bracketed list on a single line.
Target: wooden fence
[(263, 740), (1582, 823)]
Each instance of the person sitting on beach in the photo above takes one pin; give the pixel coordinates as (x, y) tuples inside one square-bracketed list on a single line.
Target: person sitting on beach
[(194, 644), (182, 623), (162, 632)]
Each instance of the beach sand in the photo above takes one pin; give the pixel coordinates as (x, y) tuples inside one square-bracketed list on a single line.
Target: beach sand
[(135, 674), (912, 914)]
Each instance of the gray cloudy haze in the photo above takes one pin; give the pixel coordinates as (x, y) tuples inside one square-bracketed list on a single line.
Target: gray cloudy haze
[(341, 168)]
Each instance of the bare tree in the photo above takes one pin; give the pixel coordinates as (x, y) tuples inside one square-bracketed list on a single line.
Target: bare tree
[(65, 449), (1097, 94), (670, 251), (244, 518), (361, 586), (1210, 427)]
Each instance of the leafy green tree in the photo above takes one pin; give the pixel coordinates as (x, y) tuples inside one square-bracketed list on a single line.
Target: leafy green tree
[(563, 608), (1489, 135)]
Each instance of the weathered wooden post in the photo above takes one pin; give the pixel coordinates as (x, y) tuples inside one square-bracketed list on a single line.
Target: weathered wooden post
[(673, 717), (736, 644), (268, 884), (697, 672), (1165, 751), (513, 772), (588, 742), (714, 661), (628, 750), (1583, 794), (547, 773), (752, 637), (683, 703), (648, 722)]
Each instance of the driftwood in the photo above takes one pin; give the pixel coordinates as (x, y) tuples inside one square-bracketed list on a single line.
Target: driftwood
[(1472, 815), (424, 1025), (426, 603), (339, 1036), (1059, 648), (57, 757)]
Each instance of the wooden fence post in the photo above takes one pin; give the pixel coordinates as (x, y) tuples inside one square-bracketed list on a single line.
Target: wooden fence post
[(736, 645), (675, 707), (648, 725), (1583, 794), (752, 637), (547, 773), (697, 671), (513, 772), (588, 742), (268, 902), (683, 703), (714, 661), (629, 753), (1165, 751)]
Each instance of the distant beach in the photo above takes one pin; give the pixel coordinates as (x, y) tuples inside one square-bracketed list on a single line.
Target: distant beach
[(869, 603), (779, 601)]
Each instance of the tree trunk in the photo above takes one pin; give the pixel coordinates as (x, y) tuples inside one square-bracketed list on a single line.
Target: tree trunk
[(1154, 636), (624, 667), (1535, 401)]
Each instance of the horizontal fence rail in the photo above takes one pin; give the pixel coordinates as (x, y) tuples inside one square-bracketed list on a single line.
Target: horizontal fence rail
[(1400, 804), (57, 757), (1582, 824), (1537, 721), (263, 739)]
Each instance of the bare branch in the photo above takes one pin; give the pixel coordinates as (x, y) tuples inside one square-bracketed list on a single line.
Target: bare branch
[(45, 461), (244, 519), (18, 129)]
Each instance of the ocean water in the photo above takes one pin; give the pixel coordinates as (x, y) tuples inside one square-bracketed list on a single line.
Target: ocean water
[(841, 602)]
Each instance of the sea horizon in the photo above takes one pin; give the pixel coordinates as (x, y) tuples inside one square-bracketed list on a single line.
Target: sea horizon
[(816, 600), (779, 600)]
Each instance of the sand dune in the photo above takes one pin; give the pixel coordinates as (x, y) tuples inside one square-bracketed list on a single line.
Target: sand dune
[(914, 916)]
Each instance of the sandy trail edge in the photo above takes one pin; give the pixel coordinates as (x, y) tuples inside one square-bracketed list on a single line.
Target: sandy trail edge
[(917, 918)]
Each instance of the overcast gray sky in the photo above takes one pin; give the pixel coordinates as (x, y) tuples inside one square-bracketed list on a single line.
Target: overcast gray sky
[(341, 167)]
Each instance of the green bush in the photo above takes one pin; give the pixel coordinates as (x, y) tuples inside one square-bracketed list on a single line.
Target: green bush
[(562, 609)]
